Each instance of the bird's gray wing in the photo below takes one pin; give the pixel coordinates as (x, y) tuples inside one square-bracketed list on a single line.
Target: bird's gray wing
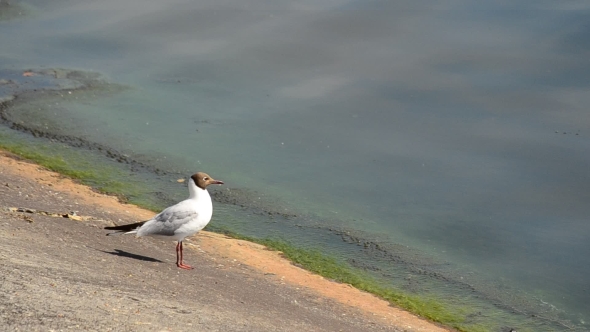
[(167, 222)]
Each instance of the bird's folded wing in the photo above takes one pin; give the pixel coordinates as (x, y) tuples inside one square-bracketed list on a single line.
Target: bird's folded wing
[(167, 222)]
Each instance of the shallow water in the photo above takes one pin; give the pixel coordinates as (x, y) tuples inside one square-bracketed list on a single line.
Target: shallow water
[(456, 136)]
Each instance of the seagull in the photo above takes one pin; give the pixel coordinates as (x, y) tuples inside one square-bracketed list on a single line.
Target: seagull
[(178, 221)]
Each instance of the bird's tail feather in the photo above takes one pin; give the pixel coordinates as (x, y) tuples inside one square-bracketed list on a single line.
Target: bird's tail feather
[(124, 229)]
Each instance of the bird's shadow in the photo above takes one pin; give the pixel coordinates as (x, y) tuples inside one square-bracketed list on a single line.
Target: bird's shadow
[(122, 253)]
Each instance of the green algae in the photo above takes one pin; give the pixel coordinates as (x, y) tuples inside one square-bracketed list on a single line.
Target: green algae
[(102, 177), (314, 260)]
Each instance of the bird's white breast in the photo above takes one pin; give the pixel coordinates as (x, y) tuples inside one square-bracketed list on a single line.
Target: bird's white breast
[(204, 208)]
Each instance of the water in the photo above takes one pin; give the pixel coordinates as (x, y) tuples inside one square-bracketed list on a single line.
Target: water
[(456, 135)]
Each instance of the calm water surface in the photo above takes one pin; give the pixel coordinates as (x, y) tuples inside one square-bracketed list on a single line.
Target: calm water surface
[(458, 130)]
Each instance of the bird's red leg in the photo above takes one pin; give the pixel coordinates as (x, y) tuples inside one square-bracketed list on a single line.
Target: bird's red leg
[(179, 261)]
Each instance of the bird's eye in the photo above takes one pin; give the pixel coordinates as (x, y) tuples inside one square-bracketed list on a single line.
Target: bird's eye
[(205, 178)]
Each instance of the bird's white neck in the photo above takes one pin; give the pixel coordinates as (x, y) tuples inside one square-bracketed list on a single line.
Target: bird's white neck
[(196, 192)]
